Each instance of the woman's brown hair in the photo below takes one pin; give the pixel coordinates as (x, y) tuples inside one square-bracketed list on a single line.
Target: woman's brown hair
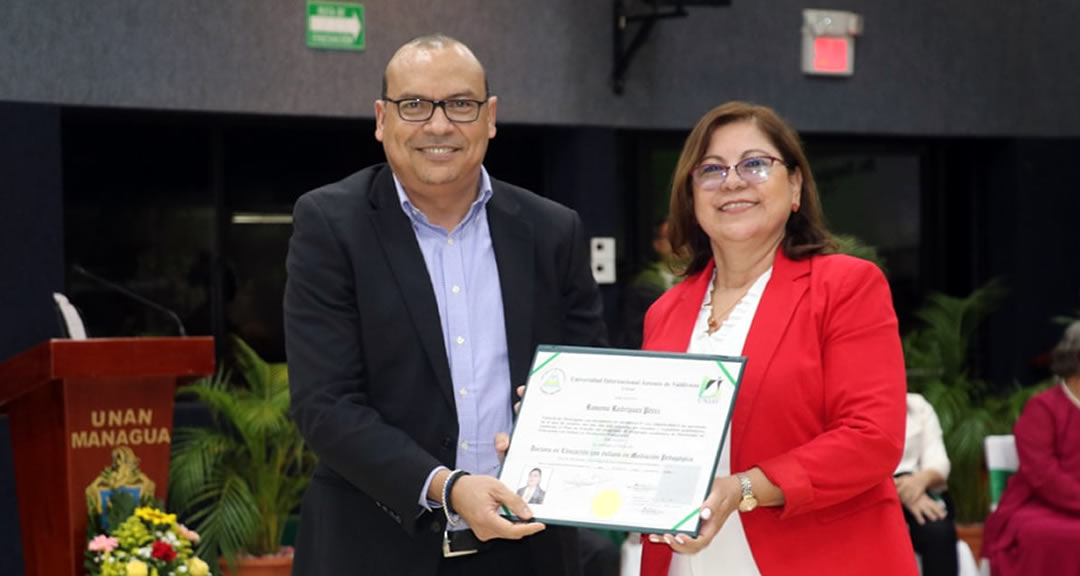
[(805, 234)]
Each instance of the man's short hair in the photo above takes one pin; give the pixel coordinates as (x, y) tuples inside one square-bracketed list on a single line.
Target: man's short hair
[(438, 40)]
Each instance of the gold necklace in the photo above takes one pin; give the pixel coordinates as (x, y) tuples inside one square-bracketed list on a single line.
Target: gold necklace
[(715, 320)]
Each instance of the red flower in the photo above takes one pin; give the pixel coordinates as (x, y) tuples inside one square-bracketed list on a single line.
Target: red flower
[(162, 551)]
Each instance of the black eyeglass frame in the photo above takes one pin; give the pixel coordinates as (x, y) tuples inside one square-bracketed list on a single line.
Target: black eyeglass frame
[(436, 104)]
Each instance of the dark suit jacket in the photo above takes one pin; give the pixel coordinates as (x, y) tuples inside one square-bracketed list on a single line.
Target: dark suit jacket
[(369, 377)]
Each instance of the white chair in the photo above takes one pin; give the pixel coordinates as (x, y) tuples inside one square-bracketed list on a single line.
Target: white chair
[(1002, 462)]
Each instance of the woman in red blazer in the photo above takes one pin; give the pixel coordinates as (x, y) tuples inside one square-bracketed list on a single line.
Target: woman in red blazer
[(805, 483)]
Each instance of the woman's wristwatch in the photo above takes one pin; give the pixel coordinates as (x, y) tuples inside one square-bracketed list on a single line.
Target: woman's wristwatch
[(749, 501)]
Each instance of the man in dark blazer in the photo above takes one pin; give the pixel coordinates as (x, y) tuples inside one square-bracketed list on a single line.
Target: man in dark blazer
[(417, 293)]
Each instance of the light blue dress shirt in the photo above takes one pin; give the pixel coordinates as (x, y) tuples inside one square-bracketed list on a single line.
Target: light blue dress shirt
[(465, 279)]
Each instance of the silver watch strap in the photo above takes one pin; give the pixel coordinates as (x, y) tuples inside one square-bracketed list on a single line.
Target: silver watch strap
[(744, 483)]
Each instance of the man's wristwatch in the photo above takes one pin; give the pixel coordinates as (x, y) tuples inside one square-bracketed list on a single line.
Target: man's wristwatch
[(749, 501)]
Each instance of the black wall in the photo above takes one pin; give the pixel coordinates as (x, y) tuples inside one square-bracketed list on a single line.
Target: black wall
[(1028, 218), (31, 225), (31, 265)]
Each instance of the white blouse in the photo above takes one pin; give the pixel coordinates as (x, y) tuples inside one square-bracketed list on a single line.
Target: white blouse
[(729, 552), (924, 447)]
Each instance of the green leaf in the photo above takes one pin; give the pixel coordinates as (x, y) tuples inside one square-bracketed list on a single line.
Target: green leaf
[(237, 482), (229, 519), (197, 454), (852, 246)]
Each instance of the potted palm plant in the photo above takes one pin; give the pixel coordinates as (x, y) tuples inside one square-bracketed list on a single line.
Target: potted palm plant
[(937, 357), (237, 481)]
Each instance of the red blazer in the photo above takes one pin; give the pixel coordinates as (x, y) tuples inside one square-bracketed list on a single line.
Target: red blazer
[(821, 410)]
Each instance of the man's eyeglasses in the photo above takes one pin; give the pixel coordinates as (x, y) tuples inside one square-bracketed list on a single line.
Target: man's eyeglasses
[(460, 110), (753, 170)]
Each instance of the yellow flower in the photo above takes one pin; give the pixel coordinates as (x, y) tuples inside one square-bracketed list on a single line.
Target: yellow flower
[(154, 516), (196, 567), (136, 568)]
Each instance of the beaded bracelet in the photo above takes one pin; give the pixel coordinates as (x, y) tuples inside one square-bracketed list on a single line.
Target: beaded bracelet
[(451, 516)]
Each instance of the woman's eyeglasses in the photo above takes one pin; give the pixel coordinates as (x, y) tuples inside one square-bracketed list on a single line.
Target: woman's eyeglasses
[(753, 170)]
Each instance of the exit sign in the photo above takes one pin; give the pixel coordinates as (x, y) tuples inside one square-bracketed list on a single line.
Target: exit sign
[(831, 55), (335, 25), (828, 42)]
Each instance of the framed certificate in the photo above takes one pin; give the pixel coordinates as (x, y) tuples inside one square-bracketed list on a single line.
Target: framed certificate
[(621, 439)]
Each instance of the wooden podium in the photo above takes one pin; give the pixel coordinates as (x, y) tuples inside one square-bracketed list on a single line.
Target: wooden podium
[(73, 405)]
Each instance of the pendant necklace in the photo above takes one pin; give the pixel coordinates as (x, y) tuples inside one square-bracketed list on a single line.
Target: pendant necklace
[(714, 318)]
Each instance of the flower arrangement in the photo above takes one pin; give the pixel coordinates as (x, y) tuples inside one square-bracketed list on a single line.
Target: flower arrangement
[(148, 542)]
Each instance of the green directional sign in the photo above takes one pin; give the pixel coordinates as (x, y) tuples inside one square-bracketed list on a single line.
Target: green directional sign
[(335, 25)]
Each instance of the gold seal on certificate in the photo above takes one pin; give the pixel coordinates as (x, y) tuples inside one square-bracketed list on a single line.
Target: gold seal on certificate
[(621, 439)]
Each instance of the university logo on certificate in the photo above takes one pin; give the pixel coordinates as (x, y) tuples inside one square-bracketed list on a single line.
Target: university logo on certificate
[(621, 439)]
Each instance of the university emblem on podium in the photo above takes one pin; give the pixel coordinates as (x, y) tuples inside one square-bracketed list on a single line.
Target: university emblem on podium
[(122, 475)]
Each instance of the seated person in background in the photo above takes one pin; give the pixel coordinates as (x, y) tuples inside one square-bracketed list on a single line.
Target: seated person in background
[(1036, 527), (920, 481)]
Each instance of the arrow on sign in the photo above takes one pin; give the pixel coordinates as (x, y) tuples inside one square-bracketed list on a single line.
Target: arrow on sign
[(334, 24)]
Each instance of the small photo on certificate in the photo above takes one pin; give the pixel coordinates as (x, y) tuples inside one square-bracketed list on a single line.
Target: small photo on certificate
[(532, 486), (621, 439)]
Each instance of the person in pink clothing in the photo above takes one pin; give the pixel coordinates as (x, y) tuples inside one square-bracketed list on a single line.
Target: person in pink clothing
[(1036, 527)]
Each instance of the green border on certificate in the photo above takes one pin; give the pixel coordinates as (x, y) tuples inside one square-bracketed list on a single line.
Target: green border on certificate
[(621, 439)]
